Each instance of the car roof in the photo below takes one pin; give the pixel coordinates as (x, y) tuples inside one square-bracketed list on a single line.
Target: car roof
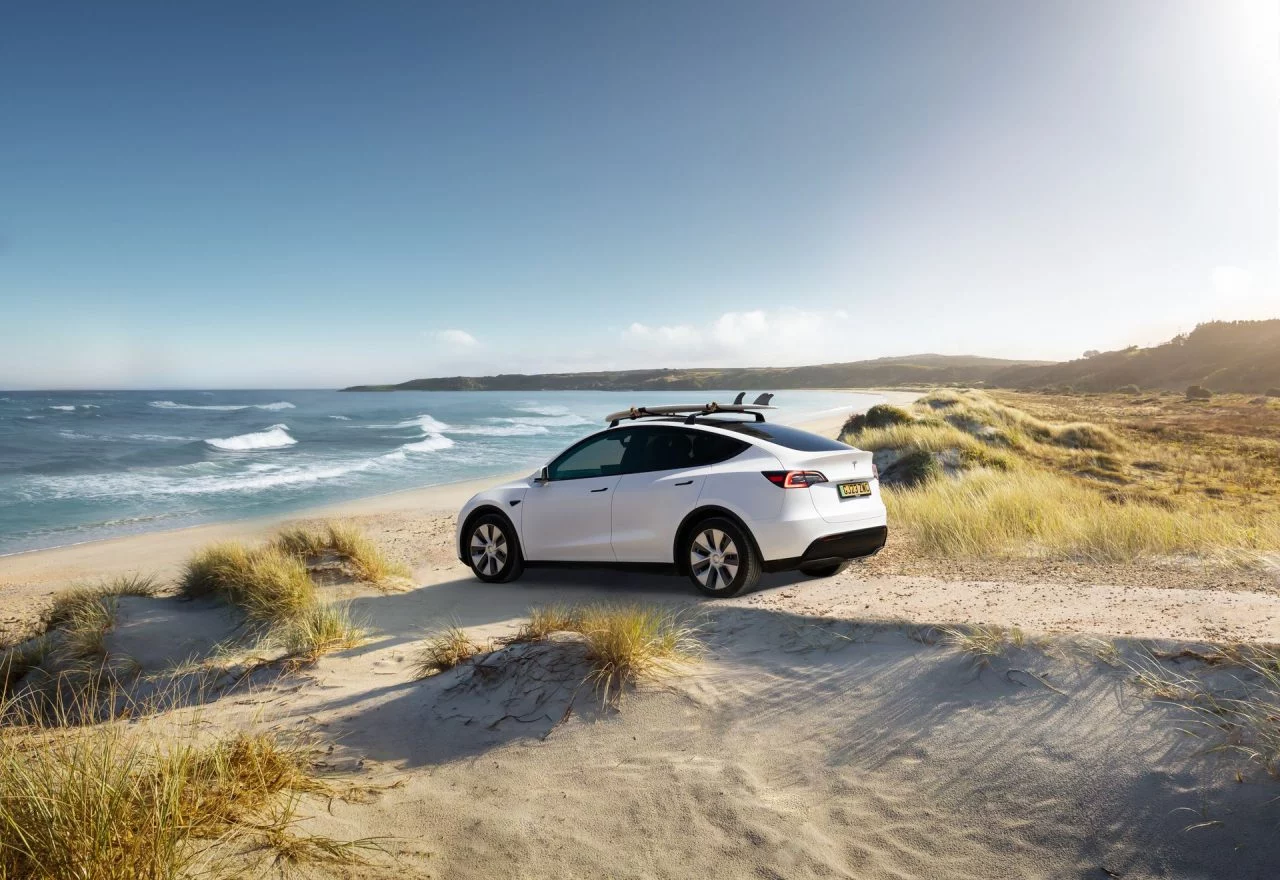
[(748, 430)]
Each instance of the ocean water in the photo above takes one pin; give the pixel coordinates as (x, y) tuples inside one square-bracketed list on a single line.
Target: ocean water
[(78, 466)]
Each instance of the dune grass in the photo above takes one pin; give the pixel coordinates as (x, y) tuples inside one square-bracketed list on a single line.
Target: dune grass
[(1028, 512), (933, 438), (547, 619), (443, 651), (344, 543), (971, 476), (276, 593), (68, 659), (628, 642), (107, 803), (318, 630), (267, 584), (623, 642), (1244, 720), (984, 642)]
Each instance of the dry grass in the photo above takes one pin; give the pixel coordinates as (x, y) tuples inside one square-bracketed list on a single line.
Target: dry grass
[(344, 543), (629, 642), (69, 658), (318, 630), (624, 643), (105, 803), (1100, 489), (1242, 716), (1036, 513), (268, 585), (445, 650), (984, 642), (547, 619)]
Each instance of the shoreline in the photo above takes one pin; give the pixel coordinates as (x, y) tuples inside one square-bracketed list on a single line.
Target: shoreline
[(824, 422), (28, 577)]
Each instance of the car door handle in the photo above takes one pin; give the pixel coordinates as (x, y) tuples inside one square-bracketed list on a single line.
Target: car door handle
[(685, 483), (602, 489)]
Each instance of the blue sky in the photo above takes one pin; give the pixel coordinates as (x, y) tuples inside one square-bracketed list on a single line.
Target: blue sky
[(310, 194)]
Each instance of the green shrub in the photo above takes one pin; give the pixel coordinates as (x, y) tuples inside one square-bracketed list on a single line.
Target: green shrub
[(882, 415), (915, 468), (1198, 392), (1273, 392), (1129, 389)]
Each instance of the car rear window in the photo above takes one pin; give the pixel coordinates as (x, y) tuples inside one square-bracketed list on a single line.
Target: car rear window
[(792, 438)]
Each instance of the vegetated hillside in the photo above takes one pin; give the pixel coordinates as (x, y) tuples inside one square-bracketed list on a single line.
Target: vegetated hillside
[(1239, 356), (923, 369)]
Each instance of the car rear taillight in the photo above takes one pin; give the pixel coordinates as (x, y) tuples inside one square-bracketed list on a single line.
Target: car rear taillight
[(875, 471), (794, 479)]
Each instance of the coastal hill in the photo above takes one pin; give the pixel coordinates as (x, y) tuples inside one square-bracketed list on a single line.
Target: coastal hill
[(923, 369), (1224, 356)]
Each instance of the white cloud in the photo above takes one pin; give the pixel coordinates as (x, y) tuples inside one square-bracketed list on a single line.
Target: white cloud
[(786, 336), (459, 338)]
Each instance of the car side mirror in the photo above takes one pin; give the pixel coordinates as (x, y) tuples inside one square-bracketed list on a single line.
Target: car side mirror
[(543, 476)]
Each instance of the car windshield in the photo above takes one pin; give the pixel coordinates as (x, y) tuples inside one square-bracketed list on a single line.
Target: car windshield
[(792, 438)]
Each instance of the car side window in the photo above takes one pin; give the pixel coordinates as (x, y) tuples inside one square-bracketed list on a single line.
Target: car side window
[(711, 448), (663, 448), (599, 456)]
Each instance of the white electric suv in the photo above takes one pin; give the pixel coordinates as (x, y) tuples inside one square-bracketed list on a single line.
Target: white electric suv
[(695, 490)]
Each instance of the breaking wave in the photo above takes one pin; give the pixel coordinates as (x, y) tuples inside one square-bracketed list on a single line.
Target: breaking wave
[(275, 437), (224, 407), (519, 430)]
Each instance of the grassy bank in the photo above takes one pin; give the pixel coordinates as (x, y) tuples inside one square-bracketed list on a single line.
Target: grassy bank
[(977, 475)]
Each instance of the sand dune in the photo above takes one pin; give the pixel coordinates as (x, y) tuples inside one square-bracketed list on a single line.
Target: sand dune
[(798, 746)]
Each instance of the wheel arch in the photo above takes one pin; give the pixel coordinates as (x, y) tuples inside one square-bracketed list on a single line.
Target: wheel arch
[(481, 510), (696, 516)]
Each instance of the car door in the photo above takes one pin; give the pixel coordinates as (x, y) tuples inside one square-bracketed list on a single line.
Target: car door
[(567, 518), (661, 486)]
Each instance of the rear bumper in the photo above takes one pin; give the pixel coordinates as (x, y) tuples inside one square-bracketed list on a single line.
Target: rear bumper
[(842, 545)]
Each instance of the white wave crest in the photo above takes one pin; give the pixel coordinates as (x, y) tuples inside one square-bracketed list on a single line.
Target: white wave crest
[(225, 407), (501, 430), (64, 408), (549, 409), (430, 443), (561, 421), (341, 418), (275, 437)]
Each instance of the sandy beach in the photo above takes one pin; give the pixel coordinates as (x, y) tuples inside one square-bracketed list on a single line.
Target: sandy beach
[(828, 728)]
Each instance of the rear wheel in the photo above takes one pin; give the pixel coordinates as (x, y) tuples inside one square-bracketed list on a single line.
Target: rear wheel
[(722, 560), (825, 570), (493, 551)]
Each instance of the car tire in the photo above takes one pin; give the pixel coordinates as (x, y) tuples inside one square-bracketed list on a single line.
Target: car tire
[(492, 549), (721, 558), (825, 571)]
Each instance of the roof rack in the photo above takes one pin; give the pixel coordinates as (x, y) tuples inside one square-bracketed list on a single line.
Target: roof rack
[(693, 411)]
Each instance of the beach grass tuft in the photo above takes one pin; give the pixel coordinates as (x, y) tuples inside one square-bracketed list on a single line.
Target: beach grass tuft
[(344, 543), (318, 630), (628, 642), (108, 803), (443, 651), (984, 642)]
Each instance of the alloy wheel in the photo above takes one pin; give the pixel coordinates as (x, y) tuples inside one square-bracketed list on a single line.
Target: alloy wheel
[(488, 549), (713, 559)]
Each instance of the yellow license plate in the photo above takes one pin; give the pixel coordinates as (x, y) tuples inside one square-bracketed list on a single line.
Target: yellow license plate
[(853, 490)]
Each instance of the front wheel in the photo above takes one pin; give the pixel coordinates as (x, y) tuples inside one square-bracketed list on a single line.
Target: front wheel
[(493, 551), (722, 560)]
